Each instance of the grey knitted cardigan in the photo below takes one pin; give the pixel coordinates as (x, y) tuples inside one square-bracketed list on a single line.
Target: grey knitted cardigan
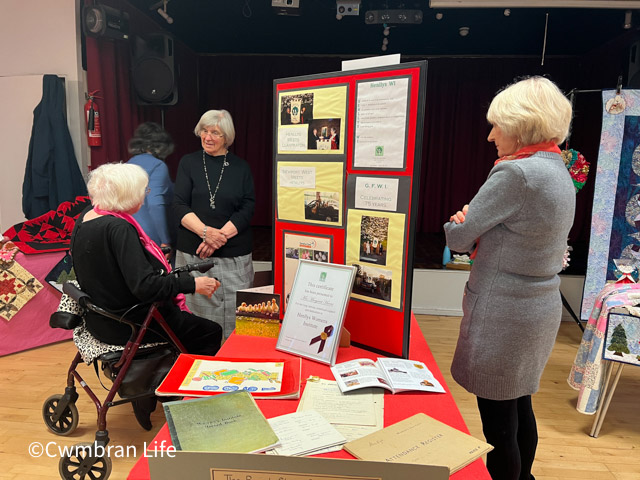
[(511, 305)]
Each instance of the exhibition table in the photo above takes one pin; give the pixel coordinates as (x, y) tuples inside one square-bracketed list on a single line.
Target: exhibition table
[(397, 407), (29, 327)]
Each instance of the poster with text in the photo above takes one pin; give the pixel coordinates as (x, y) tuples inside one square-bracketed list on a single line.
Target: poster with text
[(381, 124), (312, 121), (375, 246), (310, 192), (305, 247)]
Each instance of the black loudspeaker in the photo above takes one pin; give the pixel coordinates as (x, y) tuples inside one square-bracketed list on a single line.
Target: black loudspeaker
[(153, 70), (633, 67)]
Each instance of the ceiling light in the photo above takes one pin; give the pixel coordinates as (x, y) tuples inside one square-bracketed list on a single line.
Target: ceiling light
[(627, 20), (463, 31)]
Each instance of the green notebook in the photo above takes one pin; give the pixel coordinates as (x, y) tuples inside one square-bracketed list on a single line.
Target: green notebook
[(230, 422)]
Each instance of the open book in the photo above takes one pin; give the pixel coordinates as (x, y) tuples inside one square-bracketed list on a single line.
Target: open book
[(394, 374)]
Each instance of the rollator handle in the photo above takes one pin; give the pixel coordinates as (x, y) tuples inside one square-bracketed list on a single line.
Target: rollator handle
[(201, 267)]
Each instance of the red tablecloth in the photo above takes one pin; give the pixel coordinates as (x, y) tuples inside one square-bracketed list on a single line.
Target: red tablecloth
[(397, 407), (29, 327)]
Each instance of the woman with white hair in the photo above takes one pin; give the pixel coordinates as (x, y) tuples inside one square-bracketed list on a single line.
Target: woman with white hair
[(214, 200), (119, 266), (517, 225)]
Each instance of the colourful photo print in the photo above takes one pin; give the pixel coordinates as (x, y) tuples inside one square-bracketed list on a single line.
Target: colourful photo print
[(322, 206), (324, 134), (373, 282), (298, 247), (374, 236), (296, 109)]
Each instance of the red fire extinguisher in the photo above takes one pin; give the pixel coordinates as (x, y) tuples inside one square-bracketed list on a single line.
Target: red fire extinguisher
[(92, 117)]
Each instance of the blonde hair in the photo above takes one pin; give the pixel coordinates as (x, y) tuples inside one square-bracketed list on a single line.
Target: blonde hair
[(217, 118), (533, 110), (118, 187)]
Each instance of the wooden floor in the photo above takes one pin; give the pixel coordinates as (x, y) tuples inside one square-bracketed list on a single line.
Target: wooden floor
[(565, 450)]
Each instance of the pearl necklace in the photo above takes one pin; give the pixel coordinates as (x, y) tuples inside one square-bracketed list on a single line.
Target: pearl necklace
[(212, 196)]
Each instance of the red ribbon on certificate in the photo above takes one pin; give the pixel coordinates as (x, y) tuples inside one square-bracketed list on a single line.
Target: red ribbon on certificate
[(322, 338)]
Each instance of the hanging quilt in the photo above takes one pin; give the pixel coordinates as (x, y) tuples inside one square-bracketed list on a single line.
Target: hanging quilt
[(17, 287), (615, 223), (50, 232)]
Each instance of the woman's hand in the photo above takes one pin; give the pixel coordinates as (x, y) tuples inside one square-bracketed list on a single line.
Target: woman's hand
[(214, 238), (206, 285), (460, 215), (205, 250)]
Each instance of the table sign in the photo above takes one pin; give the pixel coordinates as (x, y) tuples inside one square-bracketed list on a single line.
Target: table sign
[(241, 466), (315, 310)]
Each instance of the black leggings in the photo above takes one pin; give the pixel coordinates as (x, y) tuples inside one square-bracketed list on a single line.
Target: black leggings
[(510, 426)]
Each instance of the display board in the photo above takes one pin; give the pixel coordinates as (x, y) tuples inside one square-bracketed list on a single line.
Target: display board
[(347, 149)]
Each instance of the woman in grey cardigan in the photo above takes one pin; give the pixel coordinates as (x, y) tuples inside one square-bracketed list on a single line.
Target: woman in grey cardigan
[(517, 227)]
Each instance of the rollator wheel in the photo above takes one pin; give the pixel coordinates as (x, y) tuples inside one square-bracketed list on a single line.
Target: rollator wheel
[(67, 423), (73, 466)]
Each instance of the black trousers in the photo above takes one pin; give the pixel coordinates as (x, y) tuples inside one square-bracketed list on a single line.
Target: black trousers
[(510, 426)]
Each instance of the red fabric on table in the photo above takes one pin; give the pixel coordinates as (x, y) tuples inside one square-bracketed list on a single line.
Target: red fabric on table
[(29, 327), (440, 406)]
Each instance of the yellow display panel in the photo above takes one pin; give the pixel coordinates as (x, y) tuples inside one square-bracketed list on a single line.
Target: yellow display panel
[(375, 244), (310, 192), (312, 121)]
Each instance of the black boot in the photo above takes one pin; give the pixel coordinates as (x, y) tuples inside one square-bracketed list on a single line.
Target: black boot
[(142, 408)]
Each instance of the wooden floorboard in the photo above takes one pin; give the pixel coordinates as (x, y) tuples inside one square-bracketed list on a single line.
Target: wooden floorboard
[(566, 451)]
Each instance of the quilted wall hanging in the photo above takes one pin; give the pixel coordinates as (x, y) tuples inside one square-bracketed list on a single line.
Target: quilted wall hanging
[(615, 223)]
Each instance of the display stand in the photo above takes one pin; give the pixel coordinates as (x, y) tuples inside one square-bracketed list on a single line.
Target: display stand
[(347, 150)]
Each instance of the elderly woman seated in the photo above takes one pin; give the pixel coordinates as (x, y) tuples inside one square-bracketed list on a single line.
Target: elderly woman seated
[(119, 267)]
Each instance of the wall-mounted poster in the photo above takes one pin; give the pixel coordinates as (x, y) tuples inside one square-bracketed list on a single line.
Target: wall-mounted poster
[(310, 192), (302, 247), (381, 124), (375, 246), (312, 121)]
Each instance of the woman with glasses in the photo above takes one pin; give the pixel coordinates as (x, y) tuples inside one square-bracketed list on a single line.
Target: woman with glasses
[(214, 200), (150, 145)]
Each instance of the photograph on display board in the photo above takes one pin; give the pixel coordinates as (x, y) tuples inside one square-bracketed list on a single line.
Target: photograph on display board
[(322, 206), (296, 109), (373, 282), (374, 232), (311, 121), (381, 123), (310, 192), (324, 134), (374, 278), (302, 247)]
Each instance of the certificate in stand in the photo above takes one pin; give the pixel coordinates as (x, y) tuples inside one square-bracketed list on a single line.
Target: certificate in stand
[(316, 309)]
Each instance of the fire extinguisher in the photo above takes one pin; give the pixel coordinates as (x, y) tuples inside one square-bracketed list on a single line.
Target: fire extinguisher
[(92, 117)]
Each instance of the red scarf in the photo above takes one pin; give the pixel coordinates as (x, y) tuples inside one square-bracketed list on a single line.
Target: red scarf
[(530, 150), (524, 152), (149, 245)]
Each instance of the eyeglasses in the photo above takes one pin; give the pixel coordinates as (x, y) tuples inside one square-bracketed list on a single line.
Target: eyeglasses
[(213, 133), (147, 191)]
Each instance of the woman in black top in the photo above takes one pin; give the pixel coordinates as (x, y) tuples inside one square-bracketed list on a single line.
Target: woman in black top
[(214, 200)]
